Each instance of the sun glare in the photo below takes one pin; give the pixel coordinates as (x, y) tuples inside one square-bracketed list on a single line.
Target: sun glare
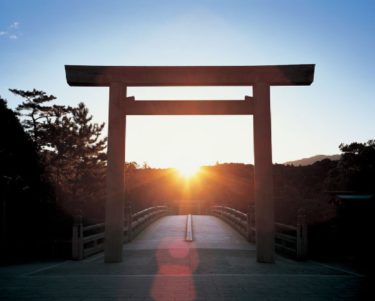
[(188, 170)]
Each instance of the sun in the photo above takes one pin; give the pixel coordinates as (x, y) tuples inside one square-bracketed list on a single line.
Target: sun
[(188, 170)]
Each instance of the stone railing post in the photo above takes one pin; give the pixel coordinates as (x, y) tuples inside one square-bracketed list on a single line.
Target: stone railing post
[(250, 223), (77, 238), (301, 235)]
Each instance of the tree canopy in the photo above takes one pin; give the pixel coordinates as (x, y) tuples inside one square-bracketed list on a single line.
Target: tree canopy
[(70, 146), (356, 169)]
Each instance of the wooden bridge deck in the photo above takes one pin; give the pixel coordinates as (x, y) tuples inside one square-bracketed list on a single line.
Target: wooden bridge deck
[(159, 265), (209, 232)]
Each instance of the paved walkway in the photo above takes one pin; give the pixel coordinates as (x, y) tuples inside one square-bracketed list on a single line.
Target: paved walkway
[(159, 265)]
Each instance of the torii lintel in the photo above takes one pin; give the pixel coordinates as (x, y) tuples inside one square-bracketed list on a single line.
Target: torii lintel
[(273, 75)]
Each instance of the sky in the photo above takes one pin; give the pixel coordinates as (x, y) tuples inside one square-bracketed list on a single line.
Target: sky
[(37, 38)]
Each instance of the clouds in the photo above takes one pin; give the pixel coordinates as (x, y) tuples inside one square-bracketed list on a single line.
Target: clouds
[(15, 25), (11, 32)]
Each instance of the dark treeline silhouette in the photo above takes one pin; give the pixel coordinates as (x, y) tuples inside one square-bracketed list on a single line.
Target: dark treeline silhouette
[(53, 167), (228, 184), (27, 198), (231, 184), (69, 147)]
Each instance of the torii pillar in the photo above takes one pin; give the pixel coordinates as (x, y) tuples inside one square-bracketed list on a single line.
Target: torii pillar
[(114, 209), (263, 184), (117, 78)]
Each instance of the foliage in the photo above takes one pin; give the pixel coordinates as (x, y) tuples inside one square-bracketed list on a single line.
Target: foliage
[(27, 200), (76, 159), (71, 148), (52, 165), (35, 114), (356, 169)]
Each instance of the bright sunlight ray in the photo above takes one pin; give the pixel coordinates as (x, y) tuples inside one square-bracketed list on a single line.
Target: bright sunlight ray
[(188, 170)]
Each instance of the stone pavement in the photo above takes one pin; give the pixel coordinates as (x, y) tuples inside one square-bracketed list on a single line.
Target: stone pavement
[(159, 265)]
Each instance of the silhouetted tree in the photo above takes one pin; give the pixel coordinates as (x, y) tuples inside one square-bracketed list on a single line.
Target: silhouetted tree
[(71, 148), (356, 168), (27, 202), (35, 113), (76, 158)]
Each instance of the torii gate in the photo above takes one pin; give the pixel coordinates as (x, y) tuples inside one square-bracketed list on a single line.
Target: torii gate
[(118, 78)]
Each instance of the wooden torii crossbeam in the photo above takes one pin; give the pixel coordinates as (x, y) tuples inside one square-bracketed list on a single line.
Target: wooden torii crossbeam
[(118, 78)]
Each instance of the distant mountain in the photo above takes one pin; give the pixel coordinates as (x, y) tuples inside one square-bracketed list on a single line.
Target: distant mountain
[(312, 160)]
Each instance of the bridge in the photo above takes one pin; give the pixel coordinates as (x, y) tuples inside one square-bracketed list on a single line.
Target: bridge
[(179, 257)]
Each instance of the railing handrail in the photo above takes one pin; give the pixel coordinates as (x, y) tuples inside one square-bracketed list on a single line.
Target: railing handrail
[(146, 211), (289, 238), (286, 227), (93, 227), (235, 211), (85, 244)]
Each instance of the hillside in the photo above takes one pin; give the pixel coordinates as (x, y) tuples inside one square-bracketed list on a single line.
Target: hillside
[(311, 160)]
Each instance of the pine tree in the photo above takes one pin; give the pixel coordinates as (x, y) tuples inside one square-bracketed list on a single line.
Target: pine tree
[(71, 148), (35, 113), (86, 156)]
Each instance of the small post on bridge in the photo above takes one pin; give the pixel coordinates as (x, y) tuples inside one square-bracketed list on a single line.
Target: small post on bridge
[(77, 238), (301, 235), (250, 222), (264, 204)]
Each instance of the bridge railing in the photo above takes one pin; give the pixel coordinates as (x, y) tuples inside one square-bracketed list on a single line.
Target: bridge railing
[(142, 219), (89, 240), (289, 239), (239, 220), (292, 240)]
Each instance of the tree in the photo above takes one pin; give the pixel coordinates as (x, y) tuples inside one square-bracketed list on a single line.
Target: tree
[(71, 148), (35, 113), (85, 158), (356, 168), (75, 153), (27, 202)]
